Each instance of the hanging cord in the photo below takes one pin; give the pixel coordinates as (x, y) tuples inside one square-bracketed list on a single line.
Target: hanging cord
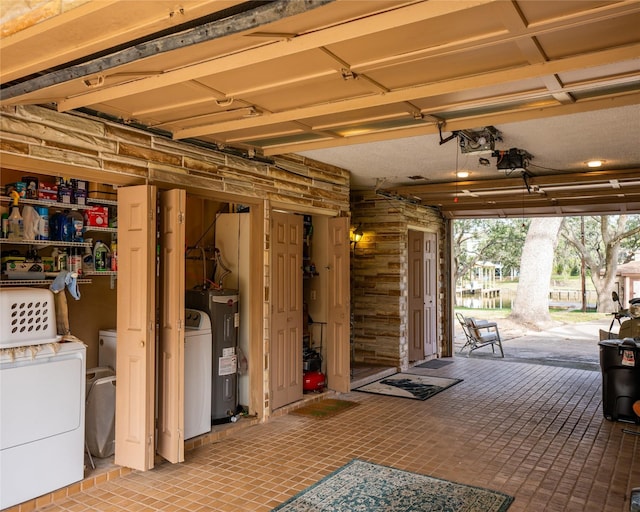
[(455, 199), (217, 258)]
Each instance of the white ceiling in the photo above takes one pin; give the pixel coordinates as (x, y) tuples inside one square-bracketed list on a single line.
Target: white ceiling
[(557, 144), (366, 85)]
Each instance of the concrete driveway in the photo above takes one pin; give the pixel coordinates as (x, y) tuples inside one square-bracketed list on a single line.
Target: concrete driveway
[(568, 345)]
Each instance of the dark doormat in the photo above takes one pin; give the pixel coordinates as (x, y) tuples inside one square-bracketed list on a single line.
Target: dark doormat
[(324, 408), (408, 385), (434, 364)]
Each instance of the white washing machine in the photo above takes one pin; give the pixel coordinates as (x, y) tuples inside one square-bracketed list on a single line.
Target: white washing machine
[(197, 373), (107, 348)]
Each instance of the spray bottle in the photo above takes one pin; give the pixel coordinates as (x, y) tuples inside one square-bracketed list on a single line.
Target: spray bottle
[(16, 224)]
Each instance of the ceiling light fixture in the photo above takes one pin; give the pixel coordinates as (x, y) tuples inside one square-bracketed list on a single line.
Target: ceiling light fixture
[(594, 163), (462, 174)]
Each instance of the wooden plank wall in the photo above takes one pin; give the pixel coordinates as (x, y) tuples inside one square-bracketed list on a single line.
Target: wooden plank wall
[(84, 147), (379, 267)]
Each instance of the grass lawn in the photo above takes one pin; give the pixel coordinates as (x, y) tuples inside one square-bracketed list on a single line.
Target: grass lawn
[(564, 316), (567, 316)]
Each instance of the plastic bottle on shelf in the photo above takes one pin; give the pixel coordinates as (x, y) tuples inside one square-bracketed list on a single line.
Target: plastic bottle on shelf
[(101, 256), (43, 223), (56, 260), (16, 224), (75, 226), (87, 260), (62, 260), (75, 261), (5, 225)]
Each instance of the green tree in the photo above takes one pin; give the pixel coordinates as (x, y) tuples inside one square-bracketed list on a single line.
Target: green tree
[(607, 239), (531, 303)]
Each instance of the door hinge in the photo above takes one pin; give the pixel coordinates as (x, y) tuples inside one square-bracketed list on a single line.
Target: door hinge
[(181, 218)]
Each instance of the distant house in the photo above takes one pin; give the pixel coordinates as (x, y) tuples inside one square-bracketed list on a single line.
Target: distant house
[(628, 281), (480, 279)]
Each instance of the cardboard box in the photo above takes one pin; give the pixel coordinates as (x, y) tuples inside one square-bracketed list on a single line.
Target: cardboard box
[(32, 186), (47, 263), (6, 260), (65, 193), (47, 191), (79, 184), (97, 216), (79, 197), (102, 191), (24, 266)]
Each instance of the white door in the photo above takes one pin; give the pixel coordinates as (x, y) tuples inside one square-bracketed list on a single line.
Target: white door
[(422, 295), (286, 313)]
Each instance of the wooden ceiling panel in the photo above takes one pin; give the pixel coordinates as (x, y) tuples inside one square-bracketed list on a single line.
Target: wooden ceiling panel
[(484, 97), (264, 133), (324, 90), (264, 76), (537, 12), (165, 105), (606, 33), (334, 13), (415, 36), (351, 117), (446, 67)]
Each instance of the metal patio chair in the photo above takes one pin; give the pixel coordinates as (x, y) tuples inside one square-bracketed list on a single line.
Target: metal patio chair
[(479, 333)]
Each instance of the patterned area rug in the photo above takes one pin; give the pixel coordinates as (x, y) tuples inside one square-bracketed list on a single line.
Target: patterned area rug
[(366, 487), (406, 385), (324, 408)]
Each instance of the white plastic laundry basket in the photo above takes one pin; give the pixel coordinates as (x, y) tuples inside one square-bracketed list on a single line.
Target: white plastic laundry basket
[(27, 317)]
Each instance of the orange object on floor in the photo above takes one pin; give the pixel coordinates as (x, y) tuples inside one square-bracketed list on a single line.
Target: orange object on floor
[(636, 408)]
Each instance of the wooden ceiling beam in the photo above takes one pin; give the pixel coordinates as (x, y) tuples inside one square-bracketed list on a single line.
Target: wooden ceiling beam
[(515, 204), (574, 178)]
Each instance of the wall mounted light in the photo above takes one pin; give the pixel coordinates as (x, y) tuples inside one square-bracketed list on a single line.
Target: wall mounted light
[(356, 235)]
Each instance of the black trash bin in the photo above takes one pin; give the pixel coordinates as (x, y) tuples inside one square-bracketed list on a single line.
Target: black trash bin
[(620, 365)]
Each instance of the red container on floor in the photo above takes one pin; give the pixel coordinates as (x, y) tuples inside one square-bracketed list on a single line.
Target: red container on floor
[(313, 381)]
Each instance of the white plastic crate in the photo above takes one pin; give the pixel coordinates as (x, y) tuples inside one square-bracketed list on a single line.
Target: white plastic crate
[(27, 317)]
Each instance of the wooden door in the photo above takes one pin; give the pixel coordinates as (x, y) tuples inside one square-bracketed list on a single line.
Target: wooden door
[(338, 326), (171, 348), (135, 412), (286, 313), (431, 293), (422, 295)]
